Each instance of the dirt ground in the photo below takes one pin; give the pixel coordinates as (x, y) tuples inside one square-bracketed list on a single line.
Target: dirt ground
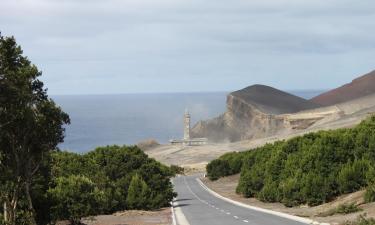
[(133, 217), (227, 186)]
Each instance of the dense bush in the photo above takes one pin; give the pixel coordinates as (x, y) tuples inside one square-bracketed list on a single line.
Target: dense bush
[(75, 197), (106, 180), (138, 194), (226, 165), (311, 169)]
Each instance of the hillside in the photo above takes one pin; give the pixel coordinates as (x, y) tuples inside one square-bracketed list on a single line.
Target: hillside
[(272, 101), (360, 87), (251, 114)]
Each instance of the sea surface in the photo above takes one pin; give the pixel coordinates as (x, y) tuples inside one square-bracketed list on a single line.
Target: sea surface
[(99, 120)]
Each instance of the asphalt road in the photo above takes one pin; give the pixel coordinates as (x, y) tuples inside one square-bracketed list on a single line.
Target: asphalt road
[(202, 208)]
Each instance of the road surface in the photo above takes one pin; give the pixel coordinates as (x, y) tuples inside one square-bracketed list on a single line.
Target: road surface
[(199, 207)]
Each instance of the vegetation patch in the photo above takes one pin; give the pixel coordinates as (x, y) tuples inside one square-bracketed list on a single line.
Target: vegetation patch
[(342, 209), (310, 169), (107, 180), (362, 220), (370, 194)]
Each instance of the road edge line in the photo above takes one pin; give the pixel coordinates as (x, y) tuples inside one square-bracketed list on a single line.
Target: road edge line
[(173, 214), (178, 216), (280, 214)]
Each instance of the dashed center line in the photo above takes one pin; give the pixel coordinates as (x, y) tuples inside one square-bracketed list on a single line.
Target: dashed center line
[(205, 202)]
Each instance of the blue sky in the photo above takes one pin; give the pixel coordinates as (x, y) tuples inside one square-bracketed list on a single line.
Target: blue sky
[(138, 46)]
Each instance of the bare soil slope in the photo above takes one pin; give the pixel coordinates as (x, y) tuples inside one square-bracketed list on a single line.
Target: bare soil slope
[(359, 87)]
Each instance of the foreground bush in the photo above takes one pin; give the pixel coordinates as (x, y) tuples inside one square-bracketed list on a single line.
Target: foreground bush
[(311, 169), (106, 180), (75, 197)]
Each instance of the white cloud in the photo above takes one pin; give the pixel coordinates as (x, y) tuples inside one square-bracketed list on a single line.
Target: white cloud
[(151, 45)]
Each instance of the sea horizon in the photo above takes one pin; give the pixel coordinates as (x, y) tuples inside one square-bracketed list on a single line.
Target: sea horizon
[(129, 118)]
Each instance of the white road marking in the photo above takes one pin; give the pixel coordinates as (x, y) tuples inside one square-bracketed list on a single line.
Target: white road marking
[(279, 214), (203, 201)]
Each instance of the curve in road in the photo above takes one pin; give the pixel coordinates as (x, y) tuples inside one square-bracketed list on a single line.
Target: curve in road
[(199, 207)]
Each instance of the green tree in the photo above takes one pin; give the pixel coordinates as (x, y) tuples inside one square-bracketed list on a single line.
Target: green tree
[(31, 125), (138, 193)]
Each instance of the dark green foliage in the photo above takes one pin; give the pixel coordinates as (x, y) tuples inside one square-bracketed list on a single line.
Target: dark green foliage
[(218, 168), (352, 176), (118, 178), (311, 169), (36, 181), (177, 169), (138, 194), (370, 193), (31, 126), (226, 165), (75, 197)]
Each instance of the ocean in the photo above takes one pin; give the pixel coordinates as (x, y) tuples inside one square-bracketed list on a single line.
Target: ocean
[(99, 120)]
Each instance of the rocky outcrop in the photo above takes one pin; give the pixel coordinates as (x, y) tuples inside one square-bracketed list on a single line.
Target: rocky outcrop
[(252, 113), (358, 88)]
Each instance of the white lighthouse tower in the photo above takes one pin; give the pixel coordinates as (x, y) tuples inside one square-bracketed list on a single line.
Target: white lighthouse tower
[(187, 126), (187, 140)]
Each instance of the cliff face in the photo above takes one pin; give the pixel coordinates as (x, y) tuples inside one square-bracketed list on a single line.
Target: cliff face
[(359, 87), (251, 113)]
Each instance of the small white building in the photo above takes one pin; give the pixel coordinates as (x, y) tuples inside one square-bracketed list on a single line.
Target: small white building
[(187, 141)]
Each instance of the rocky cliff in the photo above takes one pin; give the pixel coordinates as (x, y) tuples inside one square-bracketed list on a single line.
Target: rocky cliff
[(251, 113)]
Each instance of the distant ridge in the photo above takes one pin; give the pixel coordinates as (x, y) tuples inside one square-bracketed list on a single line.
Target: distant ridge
[(251, 113), (273, 101), (360, 87)]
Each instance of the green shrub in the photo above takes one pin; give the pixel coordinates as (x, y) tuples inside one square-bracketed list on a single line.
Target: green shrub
[(177, 169), (311, 169), (348, 208), (352, 176), (138, 194), (342, 209), (269, 192), (112, 172), (362, 220), (227, 164), (370, 194), (75, 197), (217, 168)]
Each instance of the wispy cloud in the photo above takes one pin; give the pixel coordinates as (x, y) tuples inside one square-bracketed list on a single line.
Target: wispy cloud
[(94, 46)]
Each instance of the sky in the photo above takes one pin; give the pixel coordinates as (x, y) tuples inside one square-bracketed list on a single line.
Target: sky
[(147, 46)]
